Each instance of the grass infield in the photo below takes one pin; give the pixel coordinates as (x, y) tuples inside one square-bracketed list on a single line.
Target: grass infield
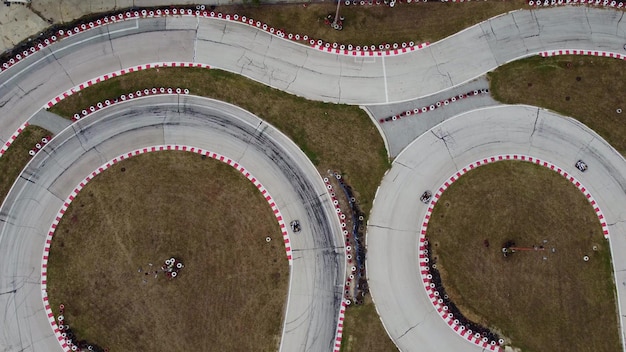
[(550, 300), (229, 297), (16, 157), (367, 25)]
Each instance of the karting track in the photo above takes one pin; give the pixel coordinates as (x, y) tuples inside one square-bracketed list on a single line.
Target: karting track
[(317, 273), (316, 284), (397, 215)]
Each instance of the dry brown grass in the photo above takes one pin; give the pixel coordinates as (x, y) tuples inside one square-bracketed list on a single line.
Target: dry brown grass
[(363, 330), (558, 304), (229, 297), (365, 25), (590, 83), (16, 157)]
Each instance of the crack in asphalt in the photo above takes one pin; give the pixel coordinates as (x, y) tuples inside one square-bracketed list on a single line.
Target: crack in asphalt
[(438, 70), (530, 138), (444, 138), (417, 324), (588, 23), (63, 67), (389, 228)]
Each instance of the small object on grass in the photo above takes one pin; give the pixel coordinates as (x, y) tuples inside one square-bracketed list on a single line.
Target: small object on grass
[(586, 258)]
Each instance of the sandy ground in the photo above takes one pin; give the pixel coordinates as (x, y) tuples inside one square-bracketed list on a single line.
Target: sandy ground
[(18, 22)]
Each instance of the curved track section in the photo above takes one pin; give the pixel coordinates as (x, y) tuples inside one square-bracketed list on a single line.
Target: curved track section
[(395, 223), (296, 68), (318, 269)]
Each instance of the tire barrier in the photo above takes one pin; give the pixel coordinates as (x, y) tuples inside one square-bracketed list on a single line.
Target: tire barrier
[(23, 51), (44, 262), (428, 268), (599, 3), (436, 105), (107, 76), (129, 96), (66, 336), (354, 238), (348, 249), (583, 52), (8, 143)]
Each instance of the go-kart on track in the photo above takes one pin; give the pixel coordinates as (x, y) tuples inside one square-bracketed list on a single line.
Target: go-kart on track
[(315, 288), (318, 264)]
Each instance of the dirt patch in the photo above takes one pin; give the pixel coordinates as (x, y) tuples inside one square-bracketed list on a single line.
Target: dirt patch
[(545, 296), (124, 225)]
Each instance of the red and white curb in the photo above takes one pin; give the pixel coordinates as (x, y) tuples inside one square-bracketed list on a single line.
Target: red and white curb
[(423, 256), (373, 50), (130, 96), (12, 139), (79, 187), (380, 50), (107, 76), (344, 301), (24, 54), (582, 52), (602, 3)]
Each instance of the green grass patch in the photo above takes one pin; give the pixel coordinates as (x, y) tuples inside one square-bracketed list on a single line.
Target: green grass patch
[(538, 300), (583, 87), (16, 157)]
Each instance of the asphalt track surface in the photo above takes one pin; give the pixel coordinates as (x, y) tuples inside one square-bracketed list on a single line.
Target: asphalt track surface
[(317, 273), (299, 70), (393, 229)]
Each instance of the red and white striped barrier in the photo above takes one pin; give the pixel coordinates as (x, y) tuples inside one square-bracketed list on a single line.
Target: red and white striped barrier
[(107, 76), (423, 256), (8, 143), (367, 51), (339, 49), (27, 52), (582, 52), (601, 3), (439, 104), (130, 96), (348, 281), (81, 185)]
